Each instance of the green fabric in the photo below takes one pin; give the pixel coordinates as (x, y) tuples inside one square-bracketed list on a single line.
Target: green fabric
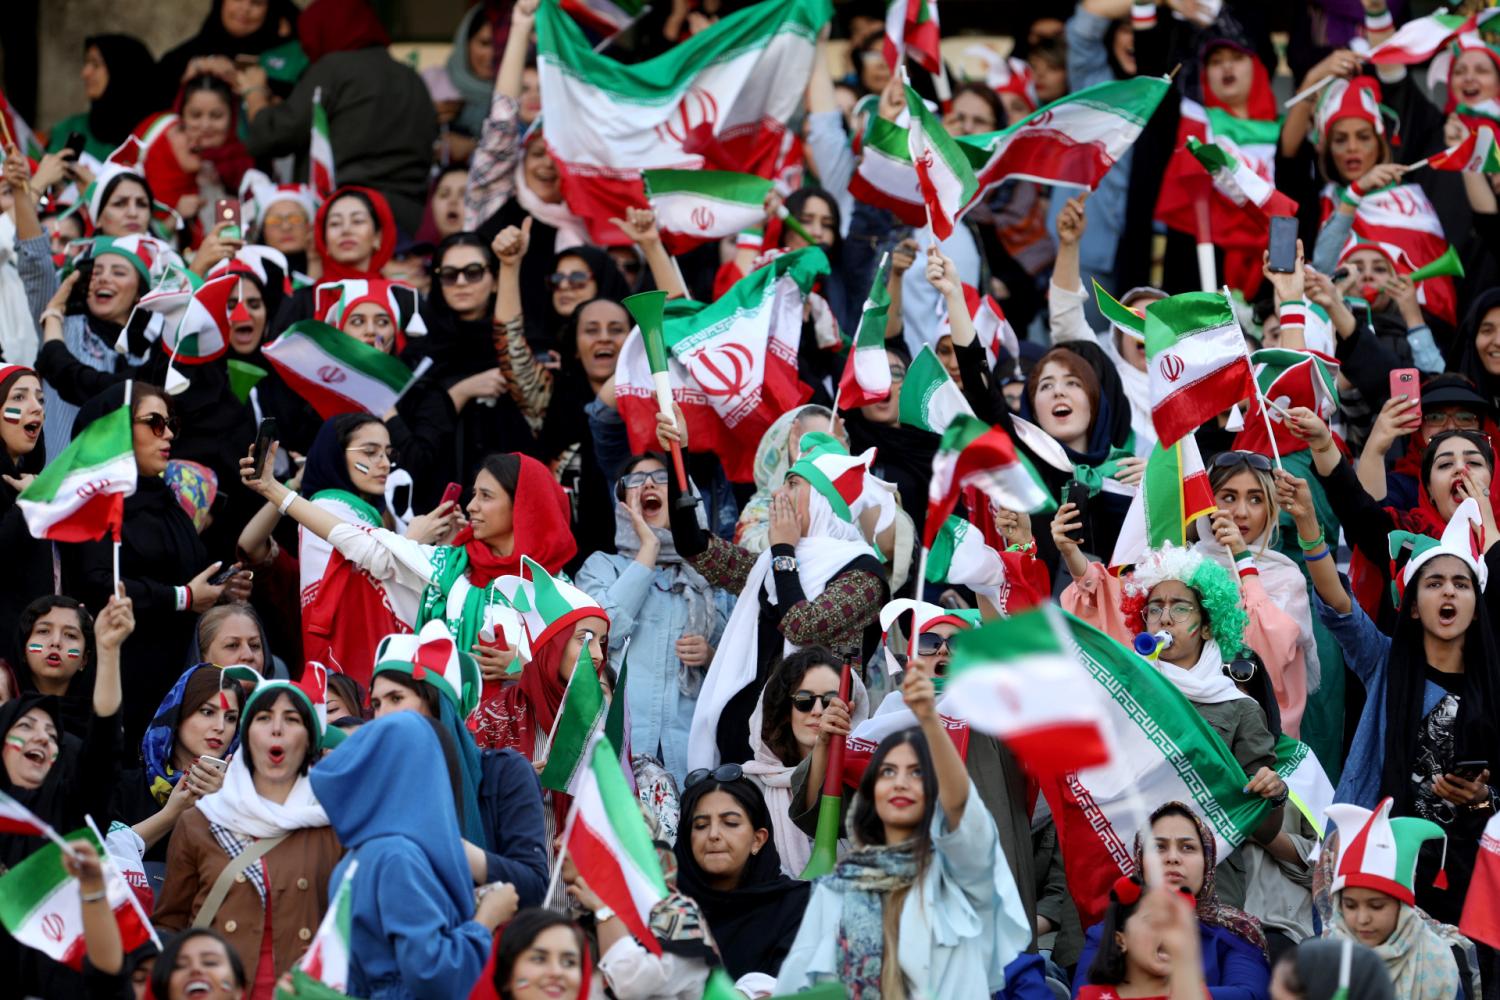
[(285, 63), (79, 123), (1093, 476)]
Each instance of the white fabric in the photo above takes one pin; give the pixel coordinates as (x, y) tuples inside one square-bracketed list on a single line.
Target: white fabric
[(313, 553), (239, 807), (571, 230), (775, 781), (18, 334), (830, 544), (1205, 683)]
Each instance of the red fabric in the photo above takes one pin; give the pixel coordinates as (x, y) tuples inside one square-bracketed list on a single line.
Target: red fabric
[(231, 159), (346, 620), (329, 26), (385, 222), (541, 524), (264, 983), (484, 987), (169, 181)]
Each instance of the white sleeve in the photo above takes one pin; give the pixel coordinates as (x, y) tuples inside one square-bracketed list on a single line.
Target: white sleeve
[(1068, 321), (633, 972), (386, 556)]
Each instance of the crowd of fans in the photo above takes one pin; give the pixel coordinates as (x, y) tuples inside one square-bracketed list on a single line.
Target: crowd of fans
[(165, 685)]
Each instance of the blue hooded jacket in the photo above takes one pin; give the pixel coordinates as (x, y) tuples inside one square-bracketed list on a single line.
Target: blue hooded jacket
[(413, 933)]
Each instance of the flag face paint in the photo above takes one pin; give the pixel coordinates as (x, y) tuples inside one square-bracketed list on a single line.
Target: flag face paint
[(73, 654), (34, 647), (12, 414), (362, 467)]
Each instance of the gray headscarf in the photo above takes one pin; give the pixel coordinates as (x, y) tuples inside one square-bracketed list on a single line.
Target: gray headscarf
[(1319, 963)]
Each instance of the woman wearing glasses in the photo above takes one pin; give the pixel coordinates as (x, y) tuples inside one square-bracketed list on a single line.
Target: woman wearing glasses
[(163, 563), (671, 616)]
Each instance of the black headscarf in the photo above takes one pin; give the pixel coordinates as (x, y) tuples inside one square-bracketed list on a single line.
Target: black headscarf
[(1111, 427), (29, 464), (124, 103), (458, 347), (327, 465), (47, 800), (755, 924), (611, 284), (213, 40), (1466, 352)]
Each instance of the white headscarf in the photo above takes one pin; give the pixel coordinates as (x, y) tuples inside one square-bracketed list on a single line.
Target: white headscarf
[(239, 807)]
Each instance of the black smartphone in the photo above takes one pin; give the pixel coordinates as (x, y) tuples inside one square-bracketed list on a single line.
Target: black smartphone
[(1469, 770), (1077, 494), (263, 438), (223, 575), (1283, 244), (78, 298), (76, 141)]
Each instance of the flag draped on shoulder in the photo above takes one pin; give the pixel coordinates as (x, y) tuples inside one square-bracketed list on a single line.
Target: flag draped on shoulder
[(320, 150), (1174, 492), (693, 206), (335, 372), (721, 99), (930, 399), (81, 493), (867, 371), (1196, 358), (972, 453)]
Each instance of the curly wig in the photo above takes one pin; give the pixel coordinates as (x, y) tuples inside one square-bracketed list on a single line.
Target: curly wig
[(1212, 583)]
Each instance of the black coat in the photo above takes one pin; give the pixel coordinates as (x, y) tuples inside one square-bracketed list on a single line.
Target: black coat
[(28, 561)]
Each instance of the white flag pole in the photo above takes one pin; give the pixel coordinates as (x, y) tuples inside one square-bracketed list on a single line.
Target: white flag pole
[(1309, 92), (1265, 405)]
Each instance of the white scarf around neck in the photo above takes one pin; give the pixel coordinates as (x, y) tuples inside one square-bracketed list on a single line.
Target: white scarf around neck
[(239, 807), (1205, 683)]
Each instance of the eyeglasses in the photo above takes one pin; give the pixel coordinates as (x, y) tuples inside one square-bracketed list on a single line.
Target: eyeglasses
[(1241, 669), (803, 701), (284, 219), (469, 274), (1254, 459), (572, 279), (374, 452), (928, 643), (158, 424), (1178, 611), (722, 774), (962, 120), (1462, 419), (631, 480)]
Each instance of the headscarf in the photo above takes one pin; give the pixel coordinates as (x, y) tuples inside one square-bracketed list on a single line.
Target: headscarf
[(230, 158), (1260, 104), (1418, 963), (608, 280), (385, 222), (1318, 967), (238, 807), (124, 101), (327, 465), (213, 39), (49, 799), (1467, 348), (31, 463), (1211, 912), (572, 231), (541, 526), (329, 26), (754, 923), (774, 778), (196, 685), (476, 90), (773, 458), (1110, 427)]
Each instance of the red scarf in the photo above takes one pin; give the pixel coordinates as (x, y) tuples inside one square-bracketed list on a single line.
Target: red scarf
[(541, 529), (385, 225), (484, 987)]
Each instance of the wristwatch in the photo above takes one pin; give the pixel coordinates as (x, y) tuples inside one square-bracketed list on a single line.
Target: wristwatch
[(602, 914), (784, 563)]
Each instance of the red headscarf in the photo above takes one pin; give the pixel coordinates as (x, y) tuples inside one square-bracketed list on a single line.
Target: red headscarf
[(1261, 103), (541, 524), (230, 159), (484, 987), (328, 26), (385, 222)]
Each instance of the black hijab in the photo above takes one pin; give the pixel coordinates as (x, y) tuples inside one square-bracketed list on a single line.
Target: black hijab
[(327, 465), (1466, 349), (48, 800), (213, 40), (1111, 426), (124, 103), (29, 464), (755, 924), (609, 282)]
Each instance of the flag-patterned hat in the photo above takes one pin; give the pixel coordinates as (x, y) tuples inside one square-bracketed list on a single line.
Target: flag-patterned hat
[(311, 692), (547, 605), (432, 657), (1379, 852), (1356, 98), (258, 193), (960, 556), (337, 299), (1463, 537), (201, 333), (924, 617), (833, 472)]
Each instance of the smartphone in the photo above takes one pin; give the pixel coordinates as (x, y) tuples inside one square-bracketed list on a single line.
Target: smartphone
[(1283, 244), (263, 438), (1469, 769), (452, 492), (1077, 494), (214, 762), (227, 214), (76, 141), (223, 575), (1408, 382)]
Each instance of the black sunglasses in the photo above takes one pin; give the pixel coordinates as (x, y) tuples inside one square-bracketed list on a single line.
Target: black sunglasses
[(1241, 669), (1254, 459), (470, 274), (723, 774), (928, 643), (159, 424), (803, 701), (573, 279)]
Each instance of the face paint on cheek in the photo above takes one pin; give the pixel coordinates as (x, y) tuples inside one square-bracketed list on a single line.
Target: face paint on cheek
[(34, 647), (15, 742), (362, 467), (73, 654), (12, 414)]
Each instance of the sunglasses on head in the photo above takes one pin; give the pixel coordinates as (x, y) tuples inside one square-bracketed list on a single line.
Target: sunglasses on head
[(469, 274), (158, 424), (803, 701), (723, 774), (1230, 459), (572, 279), (928, 643)]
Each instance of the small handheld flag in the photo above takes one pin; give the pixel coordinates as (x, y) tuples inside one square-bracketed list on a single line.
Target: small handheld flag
[(647, 308)]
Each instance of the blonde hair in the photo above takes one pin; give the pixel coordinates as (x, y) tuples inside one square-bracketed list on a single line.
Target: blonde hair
[(1218, 475)]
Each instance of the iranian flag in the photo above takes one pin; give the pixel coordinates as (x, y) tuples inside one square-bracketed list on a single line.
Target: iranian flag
[(960, 555), (994, 331), (20, 132), (322, 973), (1164, 751), (1419, 39), (721, 99), (944, 175), (81, 493), (867, 371), (693, 206), (911, 26), (607, 837), (1016, 679), (1287, 379), (336, 373), (320, 149), (605, 17), (41, 904), (1174, 492), (578, 719), (972, 453), (1476, 154), (1403, 220), (1195, 353), (17, 820), (930, 399), (1481, 917), (1242, 201), (885, 176), (201, 333)]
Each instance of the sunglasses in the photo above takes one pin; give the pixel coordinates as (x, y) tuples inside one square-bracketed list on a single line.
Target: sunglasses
[(803, 701), (632, 480), (469, 274), (158, 424), (723, 774), (571, 279), (1462, 419), (928, 643), (1179, 612), (1241, 669), (1230, 459)]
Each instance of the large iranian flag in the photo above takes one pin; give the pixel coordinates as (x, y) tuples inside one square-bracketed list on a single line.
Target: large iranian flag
[(721, 99), (578, 718), (930, 399), (337, 373), (1165, 751), (41, 904), (1419, 39), (81, 493), (322, 973), (320, 149), (1196, 358), (693, 206), (1174, 492), (608, 839), (867, 370), (972, 453)]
